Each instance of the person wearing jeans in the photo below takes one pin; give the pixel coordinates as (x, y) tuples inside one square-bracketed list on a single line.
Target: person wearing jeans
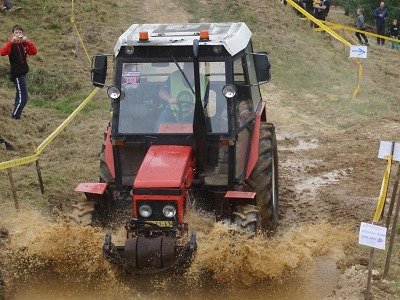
[(17, 50), (380, 15)]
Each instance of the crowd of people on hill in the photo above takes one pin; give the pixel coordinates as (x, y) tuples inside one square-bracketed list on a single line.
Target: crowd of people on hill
[(320, 9)]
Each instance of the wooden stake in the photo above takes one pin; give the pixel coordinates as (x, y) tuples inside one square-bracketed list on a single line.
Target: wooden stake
[(10, 176), (392, 199), (39, 172), (371, 259), (392, 236)]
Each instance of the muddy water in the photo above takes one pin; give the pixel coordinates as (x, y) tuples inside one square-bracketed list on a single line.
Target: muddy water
[(44, 260)]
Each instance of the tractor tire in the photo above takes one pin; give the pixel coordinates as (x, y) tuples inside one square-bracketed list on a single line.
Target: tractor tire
[(246, 218), (263, 180), (82, 213)]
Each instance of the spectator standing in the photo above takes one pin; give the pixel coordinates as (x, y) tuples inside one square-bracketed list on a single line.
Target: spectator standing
[(321, 10), (17, 50), (380, 15), (394, 34), (361, 26), (309, 6)]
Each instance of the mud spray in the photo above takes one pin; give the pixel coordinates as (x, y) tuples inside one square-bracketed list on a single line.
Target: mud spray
[(45, 260)]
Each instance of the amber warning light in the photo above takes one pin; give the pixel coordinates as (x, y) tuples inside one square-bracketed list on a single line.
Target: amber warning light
[(204, 35), (143, 36)]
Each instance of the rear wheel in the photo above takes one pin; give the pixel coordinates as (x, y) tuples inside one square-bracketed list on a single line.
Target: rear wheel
[(82, 213), (264, 180), (246, 217)]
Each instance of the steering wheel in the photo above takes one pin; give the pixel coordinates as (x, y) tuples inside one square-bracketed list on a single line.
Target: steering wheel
[(185, 102)]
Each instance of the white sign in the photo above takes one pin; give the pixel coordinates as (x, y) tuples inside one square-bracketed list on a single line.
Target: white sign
[(386, 147), (372, 236), (358, 51)]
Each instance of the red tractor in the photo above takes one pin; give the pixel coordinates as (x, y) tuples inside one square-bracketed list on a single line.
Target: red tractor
[(187, 118)]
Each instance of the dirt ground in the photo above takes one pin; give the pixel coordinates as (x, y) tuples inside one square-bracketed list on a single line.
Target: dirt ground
[(327, 175)]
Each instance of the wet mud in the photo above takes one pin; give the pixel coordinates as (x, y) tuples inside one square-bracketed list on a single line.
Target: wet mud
[(60, 261)]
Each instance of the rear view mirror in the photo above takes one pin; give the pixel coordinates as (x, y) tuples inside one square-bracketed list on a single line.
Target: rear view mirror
[(263, 67), (99, 70)]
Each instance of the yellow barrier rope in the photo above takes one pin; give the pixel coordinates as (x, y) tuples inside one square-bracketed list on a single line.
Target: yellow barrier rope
[(332, 33), (18, 162), (77, 32), (52, 136), (335, 26), (384, 188)]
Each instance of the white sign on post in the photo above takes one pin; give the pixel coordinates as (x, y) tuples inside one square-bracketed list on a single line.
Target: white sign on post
[(372, 236), (386, 147), (358, 51)]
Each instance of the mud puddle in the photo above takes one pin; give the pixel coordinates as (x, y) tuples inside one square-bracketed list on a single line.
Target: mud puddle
[(56, 261)]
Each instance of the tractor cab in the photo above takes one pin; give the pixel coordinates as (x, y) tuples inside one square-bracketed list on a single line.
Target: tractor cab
[(184, 84)]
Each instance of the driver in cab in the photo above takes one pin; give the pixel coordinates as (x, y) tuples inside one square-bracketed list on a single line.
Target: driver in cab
[(179, 94)]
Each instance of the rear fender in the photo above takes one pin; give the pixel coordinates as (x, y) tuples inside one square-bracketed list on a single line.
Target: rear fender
[(93, 191), (225, 207), (235, 198)]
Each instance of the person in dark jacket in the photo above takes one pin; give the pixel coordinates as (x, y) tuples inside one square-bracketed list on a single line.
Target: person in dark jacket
[(321, 10), (394, 34), (380, 15), (17, 50)]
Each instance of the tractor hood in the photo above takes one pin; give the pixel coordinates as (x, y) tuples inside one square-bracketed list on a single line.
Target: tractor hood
[(166, 166)]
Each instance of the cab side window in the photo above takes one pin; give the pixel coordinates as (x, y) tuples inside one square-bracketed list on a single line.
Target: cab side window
[(244, 104)]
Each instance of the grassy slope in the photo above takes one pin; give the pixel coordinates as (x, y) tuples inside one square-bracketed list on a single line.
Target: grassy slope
[(311, 74)]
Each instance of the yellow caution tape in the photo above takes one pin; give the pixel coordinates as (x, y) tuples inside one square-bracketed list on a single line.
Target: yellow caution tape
[(384, 188), (358, 78), (18, 162), (347, 28), (332, 33), (52, 136), (56, 132), (77, 32)]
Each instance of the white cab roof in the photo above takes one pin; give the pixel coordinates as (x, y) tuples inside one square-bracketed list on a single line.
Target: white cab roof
[(233, 36)]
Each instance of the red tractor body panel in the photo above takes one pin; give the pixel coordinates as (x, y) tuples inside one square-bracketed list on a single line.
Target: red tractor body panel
[(166, 166), (109, 153), (253, 156), (92, 188)]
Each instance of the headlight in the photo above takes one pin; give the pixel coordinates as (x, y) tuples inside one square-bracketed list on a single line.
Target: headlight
[(113, 92), (169, 211), (217, 49), (129, 50), (145, 211)]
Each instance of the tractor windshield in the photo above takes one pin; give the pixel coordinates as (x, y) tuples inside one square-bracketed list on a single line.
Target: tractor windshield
[(159, 97)]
